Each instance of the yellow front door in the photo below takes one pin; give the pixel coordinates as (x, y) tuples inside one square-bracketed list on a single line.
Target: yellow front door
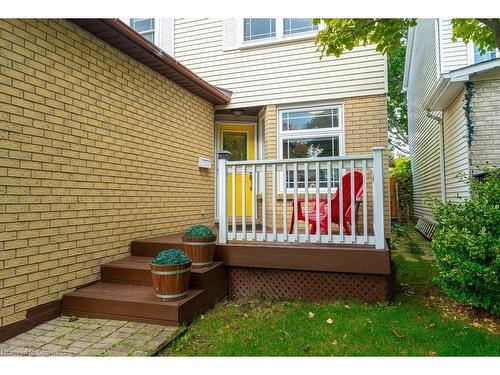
[(239, 141)]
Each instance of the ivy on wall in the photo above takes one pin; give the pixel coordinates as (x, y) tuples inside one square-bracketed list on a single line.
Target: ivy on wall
[(469, 93)]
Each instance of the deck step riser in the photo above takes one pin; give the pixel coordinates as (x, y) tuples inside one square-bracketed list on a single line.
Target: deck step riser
[(140, 305), (152, 249), (138, 273)]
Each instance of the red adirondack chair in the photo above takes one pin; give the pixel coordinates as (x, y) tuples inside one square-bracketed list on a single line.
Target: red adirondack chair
[(335, 218)]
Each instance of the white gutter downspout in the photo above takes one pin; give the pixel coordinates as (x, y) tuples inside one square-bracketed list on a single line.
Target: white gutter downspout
[(439, 120)]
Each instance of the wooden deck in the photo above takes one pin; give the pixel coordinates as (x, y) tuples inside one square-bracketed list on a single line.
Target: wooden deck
[(125, 292), (283, 255), (241, 270)]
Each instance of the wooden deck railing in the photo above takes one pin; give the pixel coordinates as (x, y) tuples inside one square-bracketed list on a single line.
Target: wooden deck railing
[(277, 187)]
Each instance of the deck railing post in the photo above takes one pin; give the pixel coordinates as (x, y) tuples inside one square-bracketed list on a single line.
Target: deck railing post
[(378, 197), (222, 158)]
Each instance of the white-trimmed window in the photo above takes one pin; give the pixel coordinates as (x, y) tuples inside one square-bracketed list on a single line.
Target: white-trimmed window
[(145, 27), (479, 57), (310, 133), (259, 28), (298, 25), (241, 33)]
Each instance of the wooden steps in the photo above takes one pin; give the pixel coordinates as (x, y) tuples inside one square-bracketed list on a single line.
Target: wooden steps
[(125, 292), (149, 247), (135, 270)]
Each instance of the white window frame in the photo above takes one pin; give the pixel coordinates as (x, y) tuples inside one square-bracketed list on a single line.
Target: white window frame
[(279, 38), (156, 30), (471, 55), (297, 33), (258, 39), (309, 133)]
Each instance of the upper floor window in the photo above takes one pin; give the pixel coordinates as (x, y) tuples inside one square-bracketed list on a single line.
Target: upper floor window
[(259, 28), (478, 57), (298, 25), (145, 27), (323, 118)]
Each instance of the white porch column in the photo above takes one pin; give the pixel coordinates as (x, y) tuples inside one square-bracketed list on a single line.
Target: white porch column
[(378, 197), (222, 158)]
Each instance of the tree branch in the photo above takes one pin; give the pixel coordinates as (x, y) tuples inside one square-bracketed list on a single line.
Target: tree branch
[(401, 137), (494, 25), (485, 21), (402, 150)]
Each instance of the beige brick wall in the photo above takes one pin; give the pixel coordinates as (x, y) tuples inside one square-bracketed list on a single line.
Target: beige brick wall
[(486, 118), (365, 124), (365, 120), (95, 150)]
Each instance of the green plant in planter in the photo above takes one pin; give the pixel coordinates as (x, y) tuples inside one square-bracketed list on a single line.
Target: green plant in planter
[(199, 231), (171, 257)]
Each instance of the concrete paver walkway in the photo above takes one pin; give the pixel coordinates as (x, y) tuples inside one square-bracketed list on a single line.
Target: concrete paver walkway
[(65, 336)]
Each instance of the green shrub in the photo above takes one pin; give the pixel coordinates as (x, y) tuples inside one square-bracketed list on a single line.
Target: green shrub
[(403, 177), (467, 245), (171, 257), (199, 231)]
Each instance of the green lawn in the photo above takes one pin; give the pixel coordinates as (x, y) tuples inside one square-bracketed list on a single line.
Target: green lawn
[(420, 321)]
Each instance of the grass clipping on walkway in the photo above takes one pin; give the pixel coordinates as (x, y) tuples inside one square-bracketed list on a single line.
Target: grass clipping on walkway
[(421, 321)]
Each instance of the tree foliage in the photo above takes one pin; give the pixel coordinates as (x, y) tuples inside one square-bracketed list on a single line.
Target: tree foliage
[(403, 177), (397, 110), (484, 32), (389, 36), (343, 34)]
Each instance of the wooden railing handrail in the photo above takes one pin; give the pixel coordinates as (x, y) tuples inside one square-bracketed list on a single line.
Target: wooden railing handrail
[(270, 169)]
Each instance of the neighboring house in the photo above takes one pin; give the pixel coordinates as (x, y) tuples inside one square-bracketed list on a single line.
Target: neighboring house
[(444, 146), (106, 139)]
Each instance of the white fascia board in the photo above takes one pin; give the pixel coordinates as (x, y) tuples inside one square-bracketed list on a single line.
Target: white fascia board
[(467, 71), (451, 84), (408, 55)]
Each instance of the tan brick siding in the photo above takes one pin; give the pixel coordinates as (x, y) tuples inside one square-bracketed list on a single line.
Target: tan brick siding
[(365, 126), (486, 118), (96, 150), (365, 120)]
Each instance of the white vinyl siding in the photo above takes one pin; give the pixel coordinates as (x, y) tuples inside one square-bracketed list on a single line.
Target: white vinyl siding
[(287, 72), (166, 35), (423, 131), (454, 55), (456, 153)]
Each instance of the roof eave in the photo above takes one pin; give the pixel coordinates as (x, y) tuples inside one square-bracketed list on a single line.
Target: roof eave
[(451, 84), (465, 73), (108, 29)]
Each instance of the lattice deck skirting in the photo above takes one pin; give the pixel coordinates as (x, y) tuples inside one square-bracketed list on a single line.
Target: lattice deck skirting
[(244, 282), (426, 227)]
